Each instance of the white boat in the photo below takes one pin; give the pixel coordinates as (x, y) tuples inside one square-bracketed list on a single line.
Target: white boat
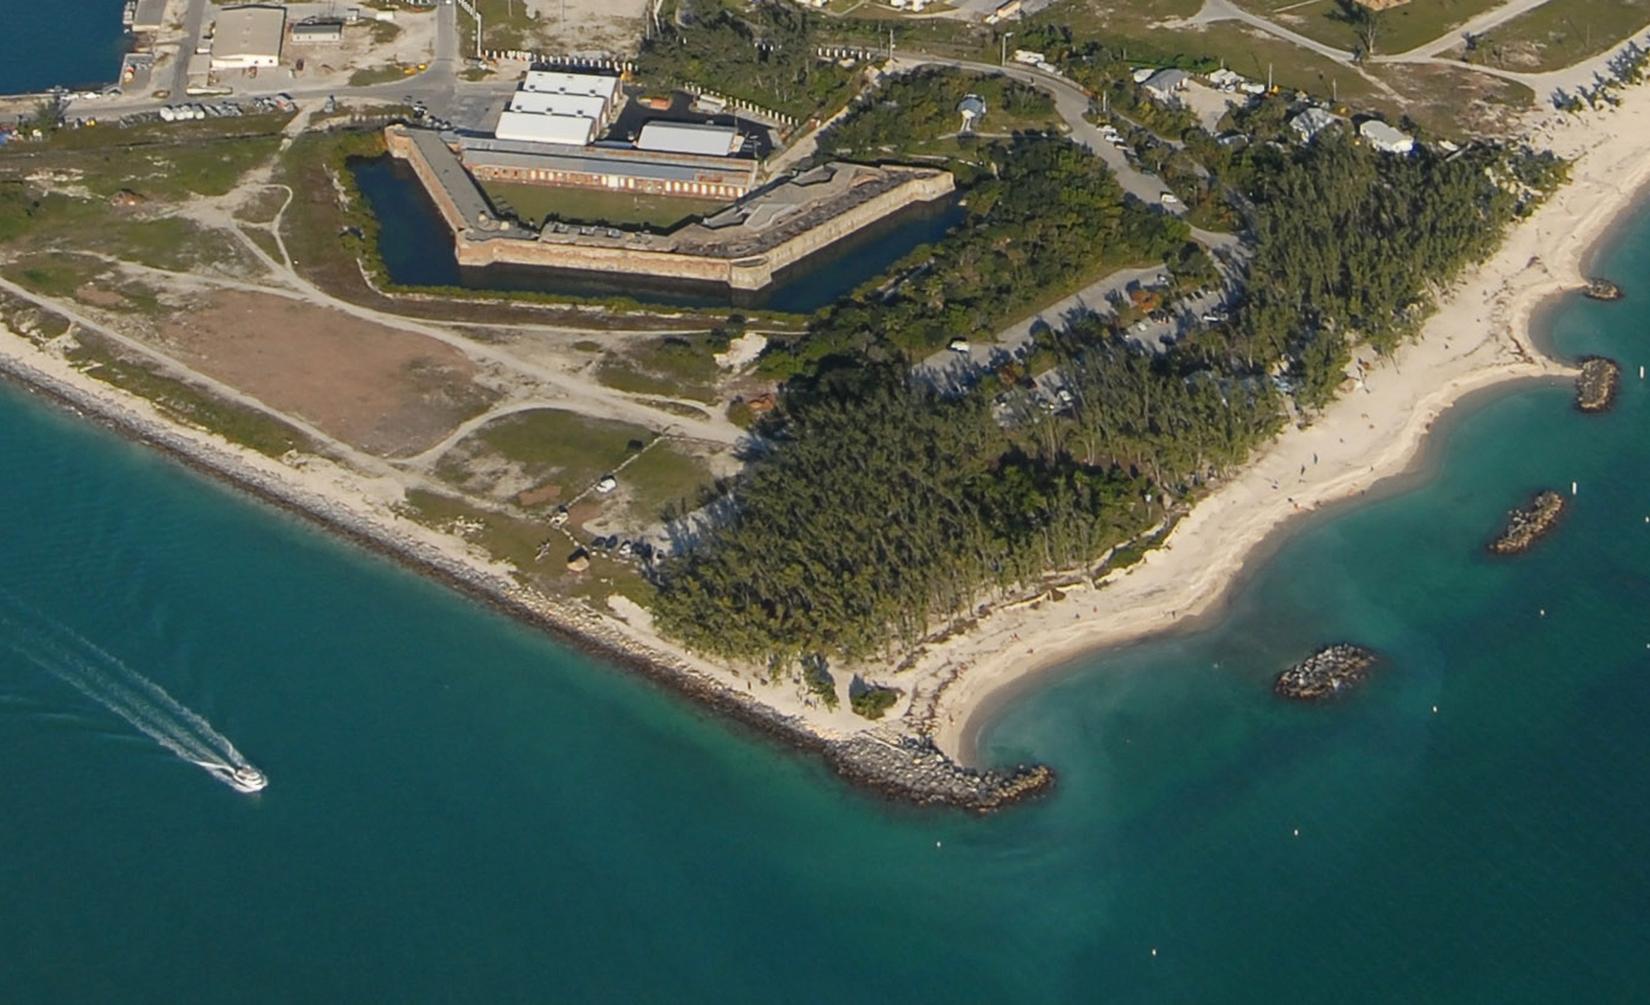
[(245, 778)]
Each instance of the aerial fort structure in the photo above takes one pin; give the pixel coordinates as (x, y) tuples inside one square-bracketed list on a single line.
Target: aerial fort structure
[(549, 134)]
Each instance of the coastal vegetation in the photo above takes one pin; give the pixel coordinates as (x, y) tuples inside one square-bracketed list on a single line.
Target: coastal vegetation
[(884, 509)]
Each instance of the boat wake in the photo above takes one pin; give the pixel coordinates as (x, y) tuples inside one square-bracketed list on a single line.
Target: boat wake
[(104, 678)]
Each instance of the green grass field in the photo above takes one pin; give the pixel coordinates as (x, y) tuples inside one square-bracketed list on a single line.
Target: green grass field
[(1401, 28), (549, 444), (1560, 33), (619, 209), (672, 366)]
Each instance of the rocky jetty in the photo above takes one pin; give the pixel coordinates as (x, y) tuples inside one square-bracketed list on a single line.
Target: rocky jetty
[(1596, 386), (912, 769), (1603, 289), (1325, 673), (1527, 524)]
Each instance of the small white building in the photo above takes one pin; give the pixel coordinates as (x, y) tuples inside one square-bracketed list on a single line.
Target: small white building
[(318, 33), (245, 38), (1308, 124), (688, 138), (972, 110), (1385, 138)]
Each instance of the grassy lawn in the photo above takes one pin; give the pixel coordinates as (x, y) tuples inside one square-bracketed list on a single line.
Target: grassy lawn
[(1250, 51), (501, 535), (673, 366), (664, 477), (1453, 100), (376, 75), (1401, 28), (261, 207), (54, 274), (549, 445), (506, 24), (1560, 33), (620, 209), (60, 222), (167, 167)]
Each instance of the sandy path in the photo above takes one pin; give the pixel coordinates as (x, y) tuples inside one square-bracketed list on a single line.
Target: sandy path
[(1479, 337)]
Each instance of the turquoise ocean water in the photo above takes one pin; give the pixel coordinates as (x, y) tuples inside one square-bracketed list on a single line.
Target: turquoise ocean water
[(75, 43), (461, 810)]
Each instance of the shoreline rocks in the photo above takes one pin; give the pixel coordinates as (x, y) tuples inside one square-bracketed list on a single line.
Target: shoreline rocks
[(1325, 673), (912, 769), (1528, 524), (1602, 289), (1597, 383)]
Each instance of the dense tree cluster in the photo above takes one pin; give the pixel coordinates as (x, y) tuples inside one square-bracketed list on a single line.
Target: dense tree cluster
[(763, 53), (1350, 245), (919, 107), (882, 509)]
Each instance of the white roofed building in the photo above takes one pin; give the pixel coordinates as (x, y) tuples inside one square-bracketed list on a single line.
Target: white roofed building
[(1385, 138), (596, 85), (540, 103), (688, 138), (556, 107), (247, 37), (540, 127)]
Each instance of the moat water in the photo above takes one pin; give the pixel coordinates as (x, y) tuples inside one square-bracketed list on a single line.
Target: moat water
[(417, 249)]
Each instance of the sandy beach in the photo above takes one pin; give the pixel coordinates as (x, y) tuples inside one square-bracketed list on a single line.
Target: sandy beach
[(1479, 337)]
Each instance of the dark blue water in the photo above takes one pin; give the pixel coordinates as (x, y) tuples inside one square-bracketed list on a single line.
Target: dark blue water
[(462, 810), (72, 43), (417, 249)]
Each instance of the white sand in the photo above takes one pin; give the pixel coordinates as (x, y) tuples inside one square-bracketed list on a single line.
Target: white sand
[(1479, 337)]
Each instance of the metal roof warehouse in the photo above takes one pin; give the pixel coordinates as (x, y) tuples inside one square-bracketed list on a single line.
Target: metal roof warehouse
[(246, 37)]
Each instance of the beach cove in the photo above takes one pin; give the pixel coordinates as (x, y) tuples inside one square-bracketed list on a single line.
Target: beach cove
[(1479, 338)]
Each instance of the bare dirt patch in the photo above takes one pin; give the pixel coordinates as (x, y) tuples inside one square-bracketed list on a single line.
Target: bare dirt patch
[(382, 390)]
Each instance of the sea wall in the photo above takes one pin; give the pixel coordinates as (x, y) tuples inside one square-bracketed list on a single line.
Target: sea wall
[(401, 145)]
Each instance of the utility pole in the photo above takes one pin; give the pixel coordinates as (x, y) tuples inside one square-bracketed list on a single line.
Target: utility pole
[(1006, 36)]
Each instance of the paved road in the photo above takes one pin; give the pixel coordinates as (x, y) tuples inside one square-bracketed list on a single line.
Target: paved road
[(1225, 10), (948, 367), (194, 19), (1072, 103)]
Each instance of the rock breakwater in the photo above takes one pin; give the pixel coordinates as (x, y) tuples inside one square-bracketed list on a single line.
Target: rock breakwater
[(1325, 673), (1596, 385), (911, 769), (1527, 524)]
